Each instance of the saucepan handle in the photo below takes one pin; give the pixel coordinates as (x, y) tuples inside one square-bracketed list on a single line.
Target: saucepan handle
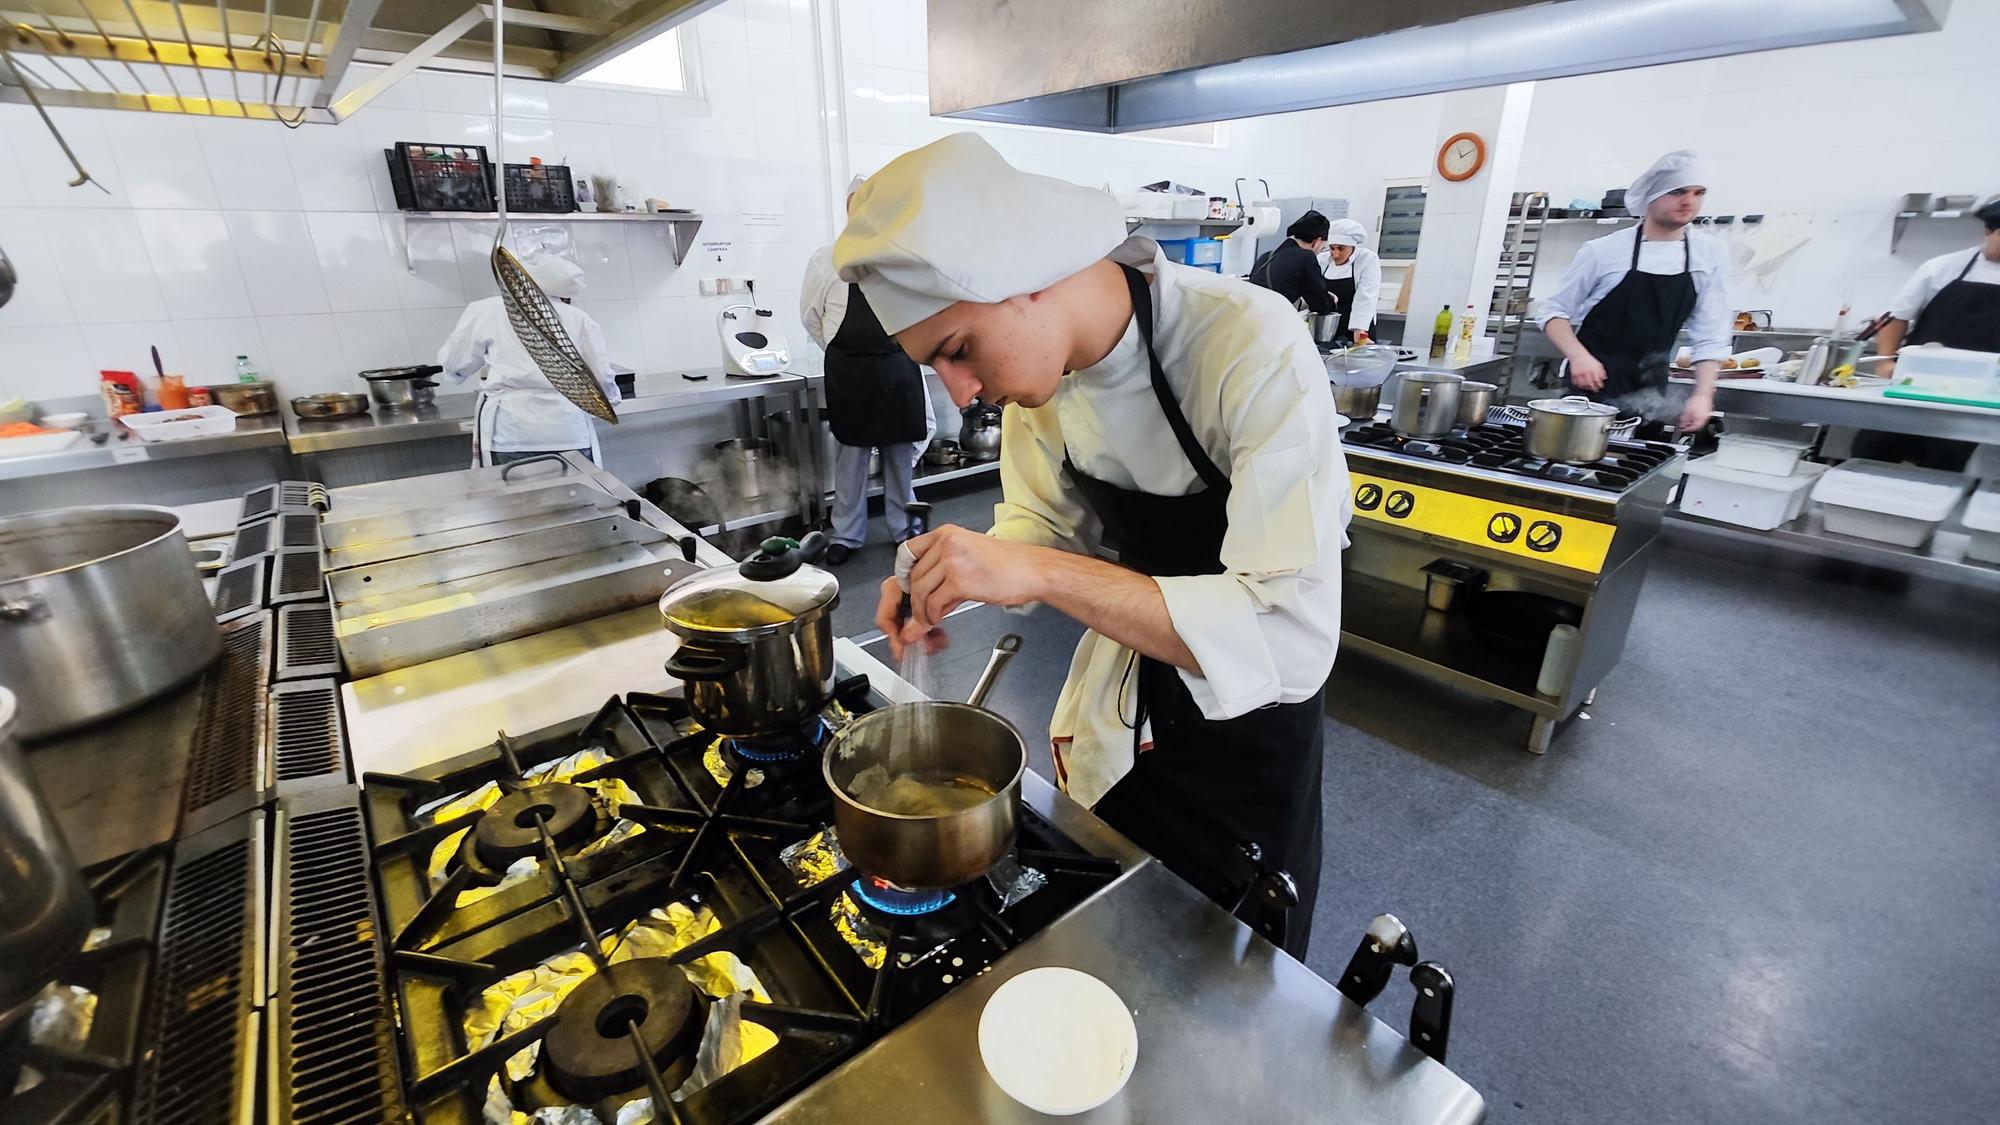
[(1003, 651), (694, 661)]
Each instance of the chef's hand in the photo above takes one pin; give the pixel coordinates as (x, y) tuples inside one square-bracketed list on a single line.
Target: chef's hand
[(902, 632), (955, 566), (1695, 414), (1586, 374)]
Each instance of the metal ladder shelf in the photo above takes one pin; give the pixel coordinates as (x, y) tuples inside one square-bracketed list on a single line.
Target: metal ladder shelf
[(1514, 277)]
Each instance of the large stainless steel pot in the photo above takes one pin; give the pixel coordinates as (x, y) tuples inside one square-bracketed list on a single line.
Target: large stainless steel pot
[(48, 911), (932, 740), (100, 609), (1571, 428), (756, 648), (1424, 404), (400, 388), (1473, 401)]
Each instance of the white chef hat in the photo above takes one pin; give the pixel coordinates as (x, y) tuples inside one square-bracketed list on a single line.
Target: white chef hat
[(1346, 232), (1672, 172), (558, 276), (953, 221)]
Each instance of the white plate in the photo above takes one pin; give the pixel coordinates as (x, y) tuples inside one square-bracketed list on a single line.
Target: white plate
[(1057, 1040)]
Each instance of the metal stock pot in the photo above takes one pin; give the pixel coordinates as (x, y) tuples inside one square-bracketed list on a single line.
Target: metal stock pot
[(1571, 428), (756, 648)]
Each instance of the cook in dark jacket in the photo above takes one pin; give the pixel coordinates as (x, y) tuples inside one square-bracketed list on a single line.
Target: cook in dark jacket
[(1293, 268)]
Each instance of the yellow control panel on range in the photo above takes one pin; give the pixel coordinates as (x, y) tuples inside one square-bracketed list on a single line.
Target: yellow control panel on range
[(1531, 533)]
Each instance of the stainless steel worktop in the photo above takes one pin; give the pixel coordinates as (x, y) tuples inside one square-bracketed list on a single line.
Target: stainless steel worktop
[(261, 432), (1863, 407)]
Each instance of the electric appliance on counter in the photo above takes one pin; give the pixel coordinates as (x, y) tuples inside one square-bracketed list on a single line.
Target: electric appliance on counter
[(752, 346), (1551, 543)]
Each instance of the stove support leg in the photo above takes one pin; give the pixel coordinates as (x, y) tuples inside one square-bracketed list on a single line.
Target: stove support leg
[(1539, 734)]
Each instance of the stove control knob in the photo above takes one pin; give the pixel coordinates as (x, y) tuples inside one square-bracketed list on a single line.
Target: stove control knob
[(1504, 527), (1368, 497), (1543, 535), (1399, 504)]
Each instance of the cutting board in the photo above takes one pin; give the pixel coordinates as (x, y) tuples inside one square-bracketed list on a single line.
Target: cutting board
[(1991, 402)]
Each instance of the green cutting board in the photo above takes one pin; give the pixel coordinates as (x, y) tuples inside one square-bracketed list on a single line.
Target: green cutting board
[(1940, 396)]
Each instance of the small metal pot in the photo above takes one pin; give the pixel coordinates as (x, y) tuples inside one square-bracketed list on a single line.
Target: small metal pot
[(1325, 328), (247, 398), (1571, 428), (1357, 404), (1473, 401), (963, 742), (756, 648), (942, 453), (400, 388), (1424, 404), (325, 408)]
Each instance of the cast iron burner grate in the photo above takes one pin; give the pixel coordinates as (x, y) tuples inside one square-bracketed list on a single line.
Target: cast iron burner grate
[(1504, 448), (780, 776)]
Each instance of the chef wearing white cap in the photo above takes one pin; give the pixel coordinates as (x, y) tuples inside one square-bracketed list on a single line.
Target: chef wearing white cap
[(1623, 301), (1178, 418), (876, 398), (519, 413), (1354, 275)]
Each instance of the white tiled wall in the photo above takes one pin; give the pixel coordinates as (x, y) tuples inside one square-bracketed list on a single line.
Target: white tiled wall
[(224, 237)]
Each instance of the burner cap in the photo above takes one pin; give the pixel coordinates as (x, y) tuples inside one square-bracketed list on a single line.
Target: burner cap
[(781, 746), (888, 898), (507, 831), (589, 1050)]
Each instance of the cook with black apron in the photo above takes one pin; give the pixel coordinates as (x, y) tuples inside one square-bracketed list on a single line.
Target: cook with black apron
[(1174, 419), (876, 398), (1953, 300), (1619, 309), (1354, 277)]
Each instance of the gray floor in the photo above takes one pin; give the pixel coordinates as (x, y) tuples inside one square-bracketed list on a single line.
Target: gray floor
[(1758, 883)]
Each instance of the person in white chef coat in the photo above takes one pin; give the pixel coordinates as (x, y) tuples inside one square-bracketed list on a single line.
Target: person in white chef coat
[(876, 398), (1177, 418), (519, 414), (1354, 276), (1623, 301)]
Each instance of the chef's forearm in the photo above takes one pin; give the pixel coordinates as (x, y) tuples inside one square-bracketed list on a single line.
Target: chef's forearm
[(1117, 602), (1706, 372), (1889, 340), (1559, 333)]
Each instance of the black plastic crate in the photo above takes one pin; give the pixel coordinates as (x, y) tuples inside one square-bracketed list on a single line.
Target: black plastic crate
[(432, 177), (540, 188)]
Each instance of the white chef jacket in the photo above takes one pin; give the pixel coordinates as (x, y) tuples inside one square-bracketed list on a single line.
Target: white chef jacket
[(1365, 267), (1602, 263), (1255, 393), (521, 411), (1937, 273)]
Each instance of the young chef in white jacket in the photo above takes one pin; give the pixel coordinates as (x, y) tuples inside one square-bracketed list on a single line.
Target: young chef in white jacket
[(1622, 302), (519, 414), (1354, 274), (1179, 418)]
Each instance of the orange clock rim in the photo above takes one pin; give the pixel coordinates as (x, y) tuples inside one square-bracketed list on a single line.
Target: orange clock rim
[(1477, 163)]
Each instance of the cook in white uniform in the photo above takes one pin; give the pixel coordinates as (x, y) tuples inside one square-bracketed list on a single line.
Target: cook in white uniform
[(519, 414), (1180, 418), (1354, 273), (876, 398), (1623, 301)]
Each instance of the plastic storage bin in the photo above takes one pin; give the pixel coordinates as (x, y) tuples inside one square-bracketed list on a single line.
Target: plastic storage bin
[(1747, 499), (1899, 504), (173, 425), (1193, 251), (1982, 518), (1779, 457)]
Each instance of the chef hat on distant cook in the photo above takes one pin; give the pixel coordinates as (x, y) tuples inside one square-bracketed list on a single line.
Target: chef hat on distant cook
[(1346, 232), (953, 221), (1672, 172), (558, 276)]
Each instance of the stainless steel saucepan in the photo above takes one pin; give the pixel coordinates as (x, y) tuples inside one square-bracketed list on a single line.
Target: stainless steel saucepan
[(1571, 428), (950, 774)]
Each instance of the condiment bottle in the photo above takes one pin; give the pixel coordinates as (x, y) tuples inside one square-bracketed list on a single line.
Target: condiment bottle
[(173, 392)]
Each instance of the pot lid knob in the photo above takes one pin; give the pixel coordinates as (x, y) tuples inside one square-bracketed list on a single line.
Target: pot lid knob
[(781, 556)]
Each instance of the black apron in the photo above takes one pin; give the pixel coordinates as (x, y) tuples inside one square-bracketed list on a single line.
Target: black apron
[(1205, 785), (1633, 329), (1964, 314), (874, 390), (1342, 289)]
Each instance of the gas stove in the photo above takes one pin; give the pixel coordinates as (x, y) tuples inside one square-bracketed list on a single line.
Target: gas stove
[(1503, 449), (672, 919)]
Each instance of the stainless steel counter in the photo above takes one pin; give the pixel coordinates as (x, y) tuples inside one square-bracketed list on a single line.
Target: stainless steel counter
[(261, 432), (1862, 407)]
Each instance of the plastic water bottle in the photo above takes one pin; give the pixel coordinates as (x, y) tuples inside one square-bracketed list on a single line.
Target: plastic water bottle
[(246, 373)]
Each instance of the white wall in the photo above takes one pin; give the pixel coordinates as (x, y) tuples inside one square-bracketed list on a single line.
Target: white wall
[(1835, 134), (223, 237)]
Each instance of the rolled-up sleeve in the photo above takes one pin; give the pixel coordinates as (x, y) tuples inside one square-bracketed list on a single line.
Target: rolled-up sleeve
[(1572, 293), (1038, 506), (1711, 330), (1265, 630)]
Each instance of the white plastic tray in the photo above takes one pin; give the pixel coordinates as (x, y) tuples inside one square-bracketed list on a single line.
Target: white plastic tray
[(34, 445), (175, 425)]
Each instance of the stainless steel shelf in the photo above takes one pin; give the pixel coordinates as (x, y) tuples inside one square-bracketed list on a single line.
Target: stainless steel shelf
[(940, 476), (1392, 623), (1942, 558), (1905, 218), (1134, 222), (681, 227)]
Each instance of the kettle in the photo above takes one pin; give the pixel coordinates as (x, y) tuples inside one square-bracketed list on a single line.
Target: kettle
[(979, 436)]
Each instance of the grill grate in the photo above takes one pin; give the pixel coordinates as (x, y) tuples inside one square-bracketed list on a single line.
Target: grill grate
[(336, 1049), (200, 1057), (258, 503), (286, 495), (296, 577), (253, 538), (224, 776), (298, 529), (239, 588), (306, 741), (305, 642)]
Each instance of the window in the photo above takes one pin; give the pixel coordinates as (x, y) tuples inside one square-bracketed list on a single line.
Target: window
[(657, 65), (1402, 222)]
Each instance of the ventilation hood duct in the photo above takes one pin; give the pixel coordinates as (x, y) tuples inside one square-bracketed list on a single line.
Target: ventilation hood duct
[(1146, 64)]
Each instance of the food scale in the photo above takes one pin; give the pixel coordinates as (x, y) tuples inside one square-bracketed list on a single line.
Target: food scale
[(752, 347)]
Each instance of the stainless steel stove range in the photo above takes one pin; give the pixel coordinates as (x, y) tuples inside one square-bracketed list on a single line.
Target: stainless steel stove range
[(1468, 555)]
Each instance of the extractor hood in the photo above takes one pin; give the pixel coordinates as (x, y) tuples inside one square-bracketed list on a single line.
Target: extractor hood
[(289, 60), (1112, 67)]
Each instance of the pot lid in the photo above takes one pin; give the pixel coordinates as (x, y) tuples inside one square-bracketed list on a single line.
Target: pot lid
[(1572, 404), (768, 593), (418, 371)]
